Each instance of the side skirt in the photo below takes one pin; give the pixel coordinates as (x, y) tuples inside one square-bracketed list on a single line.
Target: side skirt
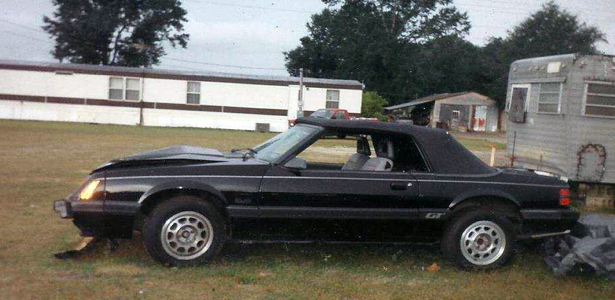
[(294, 212), (333, 242)]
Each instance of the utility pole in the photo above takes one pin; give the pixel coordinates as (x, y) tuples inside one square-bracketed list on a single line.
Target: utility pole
[(141, 100), (141, 47), (300, 103)]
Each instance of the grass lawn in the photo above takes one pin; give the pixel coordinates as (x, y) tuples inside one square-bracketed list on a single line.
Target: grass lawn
[(42, 161)]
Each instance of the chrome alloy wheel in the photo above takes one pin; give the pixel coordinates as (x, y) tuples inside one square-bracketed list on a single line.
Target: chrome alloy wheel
[(483, 242), (187, 235)]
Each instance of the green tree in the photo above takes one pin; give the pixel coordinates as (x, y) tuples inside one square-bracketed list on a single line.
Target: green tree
[(448, 65), (549, 31), (115, 32), (375, 41), (372, 106)]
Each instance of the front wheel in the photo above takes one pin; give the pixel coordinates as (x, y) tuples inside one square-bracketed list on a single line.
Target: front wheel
[(480, 239), (184, 231)]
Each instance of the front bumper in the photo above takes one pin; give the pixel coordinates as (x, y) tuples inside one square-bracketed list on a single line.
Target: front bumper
[(70, 209), (63, 208), (95, 218)]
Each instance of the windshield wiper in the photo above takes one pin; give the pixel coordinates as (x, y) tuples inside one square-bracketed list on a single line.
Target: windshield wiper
[(251, 152)]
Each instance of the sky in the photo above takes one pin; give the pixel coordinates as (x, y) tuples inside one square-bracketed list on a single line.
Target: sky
[(250, 36)]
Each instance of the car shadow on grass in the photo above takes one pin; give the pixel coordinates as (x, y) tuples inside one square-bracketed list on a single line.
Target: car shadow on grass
[(318, 255), (237, 260), (133, 250)]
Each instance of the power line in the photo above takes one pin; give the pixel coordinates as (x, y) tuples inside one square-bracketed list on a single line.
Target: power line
[(502, 9), (490, 26), (25, 36), (222, 65), (527, 12), (519, 4), (179, 67), (255, 7), (38, 30), (519, 8)]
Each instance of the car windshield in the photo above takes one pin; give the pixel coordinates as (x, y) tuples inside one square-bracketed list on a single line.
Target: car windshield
[(322, 113), (283, 142)]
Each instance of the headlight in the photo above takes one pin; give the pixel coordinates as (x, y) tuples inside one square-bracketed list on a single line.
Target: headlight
[(88, 191)]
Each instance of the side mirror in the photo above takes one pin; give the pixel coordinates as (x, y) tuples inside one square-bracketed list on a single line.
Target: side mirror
[(296, 164)]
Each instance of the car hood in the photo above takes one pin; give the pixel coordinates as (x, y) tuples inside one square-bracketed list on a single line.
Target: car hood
[(170, 155), (178, 152)]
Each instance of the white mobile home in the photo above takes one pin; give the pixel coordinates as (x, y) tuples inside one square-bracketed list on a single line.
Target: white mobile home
[(151, 97)]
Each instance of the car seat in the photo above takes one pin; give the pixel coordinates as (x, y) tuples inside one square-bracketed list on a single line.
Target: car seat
[(357, 160), (383, 162)]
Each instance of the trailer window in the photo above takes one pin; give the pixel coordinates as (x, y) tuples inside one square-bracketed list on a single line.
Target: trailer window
[(116, 88), (549, 97), (333, 99), (194, 93), (600, 99), (122, 88), (517, 103), (133, 89)]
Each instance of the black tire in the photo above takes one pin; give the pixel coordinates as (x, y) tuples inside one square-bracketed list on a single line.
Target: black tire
[(489, 237), (199, 218)]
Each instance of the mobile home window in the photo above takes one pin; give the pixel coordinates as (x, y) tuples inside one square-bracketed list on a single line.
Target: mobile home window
[(549, 97), (133, 89), (194, 93), (121, 88), (333, 99), (116, 88), (600, 99)]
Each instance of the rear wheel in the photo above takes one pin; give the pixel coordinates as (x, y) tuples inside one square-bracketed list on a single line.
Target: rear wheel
[(184, 230), (479, 239)]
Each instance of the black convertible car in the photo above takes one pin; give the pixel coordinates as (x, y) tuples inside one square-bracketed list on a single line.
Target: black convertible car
[(403, 182)]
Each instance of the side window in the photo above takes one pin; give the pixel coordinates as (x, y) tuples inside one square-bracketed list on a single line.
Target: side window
[(407, 156), (329, 150), (194, 93), (549, 97), (116, 88), (133, 89), (121, 88), (518, 101), (332, 152), (333, 99), (599, 100), (340, 115)]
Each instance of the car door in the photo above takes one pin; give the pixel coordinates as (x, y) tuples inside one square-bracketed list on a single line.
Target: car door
[(338, 194)]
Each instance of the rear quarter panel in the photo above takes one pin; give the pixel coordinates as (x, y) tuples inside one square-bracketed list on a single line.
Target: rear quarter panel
[(526, 190)]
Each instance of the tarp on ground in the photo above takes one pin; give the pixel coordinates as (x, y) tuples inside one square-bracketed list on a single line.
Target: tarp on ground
[(589, 249)]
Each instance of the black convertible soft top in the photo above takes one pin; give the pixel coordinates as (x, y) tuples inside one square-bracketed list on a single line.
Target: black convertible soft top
[(445, 154)]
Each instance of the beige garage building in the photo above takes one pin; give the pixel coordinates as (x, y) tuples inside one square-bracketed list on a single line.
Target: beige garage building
[(455, 111)]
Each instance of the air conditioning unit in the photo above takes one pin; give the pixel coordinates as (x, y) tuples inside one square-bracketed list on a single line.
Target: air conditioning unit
[(262, 127)]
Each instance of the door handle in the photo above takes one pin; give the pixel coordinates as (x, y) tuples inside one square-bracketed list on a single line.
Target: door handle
[(400, 185)]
